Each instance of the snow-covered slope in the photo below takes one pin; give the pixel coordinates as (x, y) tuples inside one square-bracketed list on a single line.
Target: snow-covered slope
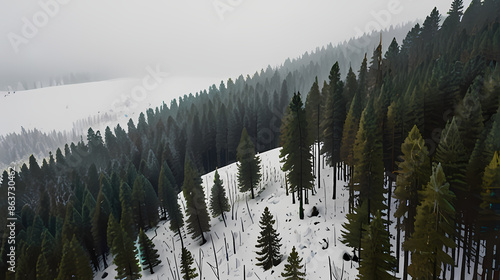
[(58, 107), (306, 235)]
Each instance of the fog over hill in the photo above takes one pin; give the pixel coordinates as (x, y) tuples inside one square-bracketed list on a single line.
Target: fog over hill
[(51, 42)]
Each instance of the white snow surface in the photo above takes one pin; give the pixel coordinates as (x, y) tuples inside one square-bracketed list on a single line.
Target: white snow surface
[(306, 235), (58, 107)]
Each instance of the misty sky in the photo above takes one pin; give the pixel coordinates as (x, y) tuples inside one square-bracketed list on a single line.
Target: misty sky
[(188, 38)]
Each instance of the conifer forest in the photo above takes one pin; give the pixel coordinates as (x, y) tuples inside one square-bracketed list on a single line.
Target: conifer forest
[(387, 158)]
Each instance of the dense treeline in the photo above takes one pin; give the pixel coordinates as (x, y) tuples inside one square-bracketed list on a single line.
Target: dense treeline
[(432, 99), (302, 71), (430, 123), (16, 147)]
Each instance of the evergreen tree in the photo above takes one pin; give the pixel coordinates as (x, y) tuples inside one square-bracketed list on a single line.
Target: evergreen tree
[(174, 212), (391, 58), (151, 203), (138, 202), (188, 272), (293, 267), (469, 118), (112, 232), (127, 217), (430, 26), (434, 229), (163, 184), (124, 251), (195, 144), (67, 266), (265, 136), (61, 161), (93, 180), (198, 220), (314, 112), (489, 213), (351, 127), (74, 263), (52, 251), (248, 164), (221, 136), (369, 171), (377, 262), (42, 269), (296, 153), (362, 81), (218, 199), (149, 255), (34, 168), (268, 242), (452, 155), (99, 224), (350, 89), (393, 137), (375, 70), (490, 197), (83, 269), (352, 232), (454, 15), (492, 142), (414, 171), (144, 203), (333, 122)]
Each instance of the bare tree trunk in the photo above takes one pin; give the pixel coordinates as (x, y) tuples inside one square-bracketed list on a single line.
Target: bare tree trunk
[(453, 256), (334, 181), (234, 243), (306, 196), (216, 262), (319, 155), (476, 258), (224, 219), (398, 243), (286, 186), (351, 189), (465, 245), (405, 265), (488, 259), (389, 179), (345, 171)]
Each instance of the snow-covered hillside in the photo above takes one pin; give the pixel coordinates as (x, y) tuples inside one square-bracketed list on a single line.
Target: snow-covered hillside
[(309, 236), (306, 235), (58, 107)]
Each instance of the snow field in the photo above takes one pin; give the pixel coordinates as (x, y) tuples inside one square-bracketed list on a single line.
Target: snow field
[(306, 235)]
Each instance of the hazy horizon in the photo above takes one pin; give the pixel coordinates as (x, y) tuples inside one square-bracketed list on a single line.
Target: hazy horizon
[(220, 38)]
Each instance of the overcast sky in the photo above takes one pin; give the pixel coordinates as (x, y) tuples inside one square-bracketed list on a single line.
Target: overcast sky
[(204, 38)]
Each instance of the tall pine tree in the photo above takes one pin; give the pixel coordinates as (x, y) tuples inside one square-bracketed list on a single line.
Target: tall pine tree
[(414, 171), (268, 242), (188, 272), (377, 262), (314, 112), (293, 267), (148, 253), (434, 229), (198, 220), (218, 199), (123, 250), (333, 122), (248, 164), (369, 171), (296, 154)]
